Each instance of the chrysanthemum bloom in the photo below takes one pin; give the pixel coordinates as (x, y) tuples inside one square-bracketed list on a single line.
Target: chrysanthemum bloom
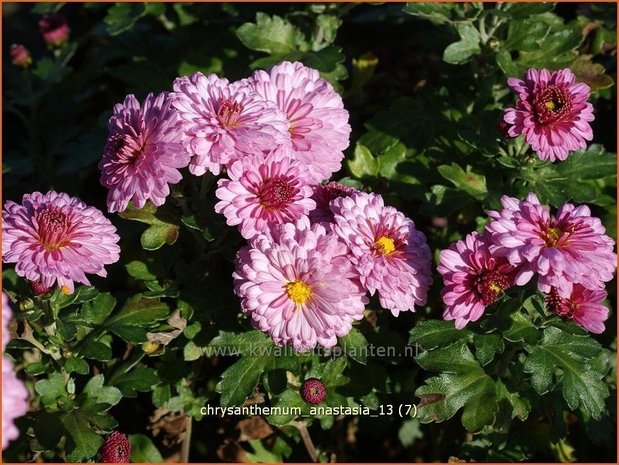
[(552, 112), (55, 29), (565, 249), (473, 278), (323, 195), (263, 191), (14, 394), (20, 56), (116, 449), (583, 306), (143, 152), (316, 116), (53, 238), (313, 391), (297, 286), (224, 121), (391, 256)]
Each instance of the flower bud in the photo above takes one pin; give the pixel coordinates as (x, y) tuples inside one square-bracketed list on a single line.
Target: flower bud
[(313, 391), (20, 56), (117, 449), (55, 30), (38, 288)]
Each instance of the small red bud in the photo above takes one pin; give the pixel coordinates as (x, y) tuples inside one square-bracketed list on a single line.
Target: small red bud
[(38, 288), (55, 29), (20, 56), (313, 391), (117, 449)]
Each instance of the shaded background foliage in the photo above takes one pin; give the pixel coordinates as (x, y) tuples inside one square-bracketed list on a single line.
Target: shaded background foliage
[(425, 86)]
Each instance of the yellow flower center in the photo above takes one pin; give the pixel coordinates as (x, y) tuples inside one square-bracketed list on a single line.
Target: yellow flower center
[(550, 105), (495, 287), (385, 245), (552, 236), (299, 292)]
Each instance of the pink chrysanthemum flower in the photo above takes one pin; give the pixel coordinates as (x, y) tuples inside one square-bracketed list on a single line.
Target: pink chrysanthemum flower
[(263, 191), (391, 256), (583, 306), (565, 249), (224, 121), (316, 116), (14, 394), (473, 278), (297, 286), (53, 238), (323, 195), (552, 112), (143, 152)]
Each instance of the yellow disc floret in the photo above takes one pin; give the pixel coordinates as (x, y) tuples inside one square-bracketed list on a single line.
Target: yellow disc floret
[(299, 292), (385, 245)]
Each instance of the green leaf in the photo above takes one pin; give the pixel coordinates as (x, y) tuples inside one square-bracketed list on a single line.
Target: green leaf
[(487, 346), (581, 384), (143, 450), (51, 389), (76, 365), (468, 45), (82, 294), (363, 163), (523, 34), (593, 163), (467, 181), (239, 380), (287, 402), (139, 311), (252, 343), (82, 442), (524, 10), (137, 380), (140, 270), (437, 13), (521, 329), (355, 345), (164, 226), (270, 34), (442, 201), (122, 17), (97, 393), (97, 310), (156, 236), (463, 384), (430, 334)]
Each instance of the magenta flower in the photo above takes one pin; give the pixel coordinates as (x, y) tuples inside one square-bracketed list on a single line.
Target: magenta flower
[(53, 238), (20, 56), (55, 29), (583, 306), (391, 256), (566, 249), (116, 449), (316, 116), (14, 394), (297, 285), (323, 195), (223, 122), (552, 112), (143, 152), (473, 278), (263, 191), (313, 391)]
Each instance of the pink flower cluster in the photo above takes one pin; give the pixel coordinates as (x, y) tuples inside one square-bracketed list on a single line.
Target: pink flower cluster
[(304, 283), (14, 393), (56, 239), (275, 133), (552, 112), (568, 252)]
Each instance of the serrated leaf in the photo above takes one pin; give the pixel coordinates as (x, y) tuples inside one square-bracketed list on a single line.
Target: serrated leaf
[(437, 13), (430, 334), (239, 380), (270, 34), (94, 312), (467, 181), (122, 16), (139, 311), (363, 163), (288, 401), (137, 380), (581, 384), (51, 389), (355, 345), (468, 45), (82, 442), (524, 10), (487, 346)]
